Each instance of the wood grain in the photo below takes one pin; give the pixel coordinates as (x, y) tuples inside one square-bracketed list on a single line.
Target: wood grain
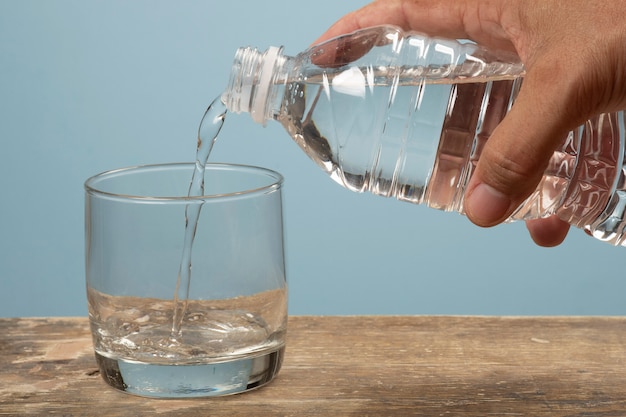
[(353, 366)]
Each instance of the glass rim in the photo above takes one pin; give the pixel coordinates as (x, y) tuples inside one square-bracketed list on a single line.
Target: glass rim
[(276, 182)]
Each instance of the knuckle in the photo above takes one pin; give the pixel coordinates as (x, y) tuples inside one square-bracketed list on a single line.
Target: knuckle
[(513, 173)]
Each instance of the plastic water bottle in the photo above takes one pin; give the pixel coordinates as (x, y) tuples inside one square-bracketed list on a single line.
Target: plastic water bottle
[(403, 115)]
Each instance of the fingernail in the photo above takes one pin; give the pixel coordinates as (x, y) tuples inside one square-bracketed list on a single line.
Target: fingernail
[(487, 206)]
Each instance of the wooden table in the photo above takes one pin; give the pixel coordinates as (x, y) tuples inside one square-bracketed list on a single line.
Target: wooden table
[(353, 366)]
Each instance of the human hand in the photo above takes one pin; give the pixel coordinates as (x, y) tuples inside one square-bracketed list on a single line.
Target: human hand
[(574, 52)]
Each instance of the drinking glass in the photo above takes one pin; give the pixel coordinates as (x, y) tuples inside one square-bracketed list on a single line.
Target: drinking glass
[(180, 308)]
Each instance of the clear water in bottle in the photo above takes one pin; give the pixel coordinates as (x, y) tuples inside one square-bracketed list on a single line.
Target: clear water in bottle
[(406, 116)]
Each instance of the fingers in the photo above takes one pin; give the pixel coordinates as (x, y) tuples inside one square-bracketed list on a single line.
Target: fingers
[(443, 18), (373, 14), (517, 153), (547, 232), (460, 19), (343, 50)]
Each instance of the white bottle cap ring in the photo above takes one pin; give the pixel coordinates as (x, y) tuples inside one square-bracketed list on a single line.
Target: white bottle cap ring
[(259, 106)]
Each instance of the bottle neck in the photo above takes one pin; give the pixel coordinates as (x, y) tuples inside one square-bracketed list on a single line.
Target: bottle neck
[(252, 79)]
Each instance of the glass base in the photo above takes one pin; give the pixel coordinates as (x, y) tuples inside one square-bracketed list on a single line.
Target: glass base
[(194, 380)]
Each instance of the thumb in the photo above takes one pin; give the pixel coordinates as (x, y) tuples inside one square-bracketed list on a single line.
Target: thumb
[(517, 153)]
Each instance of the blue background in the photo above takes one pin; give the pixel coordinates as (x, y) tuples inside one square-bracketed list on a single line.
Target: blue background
[(87, 86)]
